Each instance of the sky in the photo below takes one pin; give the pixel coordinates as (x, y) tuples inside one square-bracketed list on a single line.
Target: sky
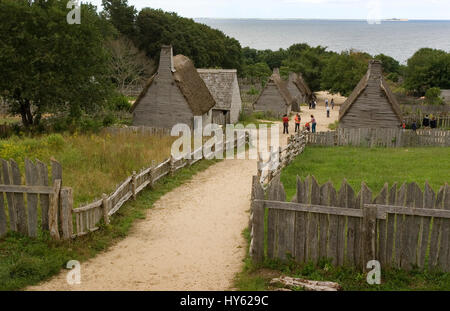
[(279, 9)]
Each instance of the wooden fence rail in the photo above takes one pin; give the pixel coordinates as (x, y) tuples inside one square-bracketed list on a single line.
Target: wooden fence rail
[(366, 137), (143, 130), (402, 227), (37, 199)]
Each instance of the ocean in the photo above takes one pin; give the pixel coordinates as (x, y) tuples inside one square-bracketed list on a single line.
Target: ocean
[(398, 39)]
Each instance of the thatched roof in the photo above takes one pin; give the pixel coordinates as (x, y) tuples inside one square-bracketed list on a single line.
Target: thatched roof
[(281, 86), (297, 79), (362, 85), (445, 94), (190, 84), (220, 83)]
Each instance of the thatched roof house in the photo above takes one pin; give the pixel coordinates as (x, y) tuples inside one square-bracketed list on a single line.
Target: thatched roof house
[(223, 86), (175, 94), (299, 90), (275, 97), (372, 104)]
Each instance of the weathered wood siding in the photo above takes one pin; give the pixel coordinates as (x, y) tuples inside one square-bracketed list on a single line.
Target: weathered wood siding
[(272, 101), (372, 108), (236, 102)]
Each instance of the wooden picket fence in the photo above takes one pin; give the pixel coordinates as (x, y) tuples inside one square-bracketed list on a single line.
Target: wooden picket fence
[(402, 227), (38, 197), (281, 158), (380, 137), (143, 130)]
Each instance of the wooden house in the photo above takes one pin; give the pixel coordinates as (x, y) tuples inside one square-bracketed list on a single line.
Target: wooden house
[(175, 94), (445, 94), (371, 104), (275, 98), (299, 90), (224, 87)]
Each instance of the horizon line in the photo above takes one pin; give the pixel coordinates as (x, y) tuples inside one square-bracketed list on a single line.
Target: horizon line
[(393, 19)]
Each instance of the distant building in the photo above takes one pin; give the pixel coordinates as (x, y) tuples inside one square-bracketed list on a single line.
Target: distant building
[(445, 94), (224, 87), (275, 97), (175, 94), (299, 90), (372, 104)]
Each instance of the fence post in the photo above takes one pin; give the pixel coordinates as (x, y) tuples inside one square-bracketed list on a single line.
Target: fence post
[(369, 230), (151, 174), (257, 225), (134, 185), (172, 166), (105, 208), (53, 210), (66, 212)]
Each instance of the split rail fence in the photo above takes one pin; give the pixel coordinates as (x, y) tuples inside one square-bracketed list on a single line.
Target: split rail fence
[(367, 137), (280, 158), (48, 201), (402, 227)]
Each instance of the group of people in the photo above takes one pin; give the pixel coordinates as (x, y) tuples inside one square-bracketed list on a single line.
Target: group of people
[(428, 122), (310, 126)]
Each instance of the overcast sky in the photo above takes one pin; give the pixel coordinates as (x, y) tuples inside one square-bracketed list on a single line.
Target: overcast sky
[(332, 9)]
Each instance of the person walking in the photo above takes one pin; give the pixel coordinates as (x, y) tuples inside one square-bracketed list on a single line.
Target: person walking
[(328, 111), (285, 124), (433, 122), (313, 124), (414, 126), (298, 119), (326, 103), (426, 121), (404, 125), (332, 103), (315, 104), (310, 104)]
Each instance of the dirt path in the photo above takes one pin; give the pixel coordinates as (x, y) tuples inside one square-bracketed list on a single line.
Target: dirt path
[(190, 240)]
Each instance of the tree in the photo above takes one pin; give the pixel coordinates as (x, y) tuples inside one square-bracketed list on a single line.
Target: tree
[(129, 67), (48, 65), (433, 96), (428, 68), (390, 65), (121, 16), (343, 71), (260, 71)]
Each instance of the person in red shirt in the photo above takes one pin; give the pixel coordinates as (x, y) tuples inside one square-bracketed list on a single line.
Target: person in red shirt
[(285, 124), (307, 127), (297, 122)]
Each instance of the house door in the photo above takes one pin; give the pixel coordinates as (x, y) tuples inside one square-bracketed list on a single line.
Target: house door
[(219, 117)]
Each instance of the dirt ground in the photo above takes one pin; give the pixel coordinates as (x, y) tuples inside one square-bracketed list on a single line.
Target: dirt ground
[(191, 239)]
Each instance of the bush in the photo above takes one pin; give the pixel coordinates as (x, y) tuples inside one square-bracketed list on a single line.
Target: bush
[(119, 103), (433, 96), (394, 77)]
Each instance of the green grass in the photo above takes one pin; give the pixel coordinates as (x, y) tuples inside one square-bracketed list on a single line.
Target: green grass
[(257, 277), (25, 261), (375, 166)]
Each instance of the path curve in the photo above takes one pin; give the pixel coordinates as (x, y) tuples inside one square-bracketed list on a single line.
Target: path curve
[(190, 240)]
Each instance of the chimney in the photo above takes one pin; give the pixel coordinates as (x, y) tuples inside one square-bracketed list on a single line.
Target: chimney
[(375, 68), (166, 60)]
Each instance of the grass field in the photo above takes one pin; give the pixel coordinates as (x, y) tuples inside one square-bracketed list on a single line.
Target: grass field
[(92, 164), (375, 167), (25, 261)]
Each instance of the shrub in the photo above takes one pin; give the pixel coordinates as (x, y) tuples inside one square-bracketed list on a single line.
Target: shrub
[(119, 103), (433, 96)]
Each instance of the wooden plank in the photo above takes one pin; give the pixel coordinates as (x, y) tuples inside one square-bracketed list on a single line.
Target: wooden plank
[(26, 189), (399, 224), (300, 224), (436, 231), (21, 213), (258, 211), (3, 220), (414, 198), (365, 197), (313, 223), (57, 175), (7, 180), (369, 233), (53, 210), (31, 176), (347, 200), (341, 232), (382, 199), (323, 221), (66, 212), (275, 193), (44, 199), (444, 252), (428, 203), (390, 235), (332, 251)]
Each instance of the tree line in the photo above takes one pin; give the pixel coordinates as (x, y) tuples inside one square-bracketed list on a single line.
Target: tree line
[(51, 67)]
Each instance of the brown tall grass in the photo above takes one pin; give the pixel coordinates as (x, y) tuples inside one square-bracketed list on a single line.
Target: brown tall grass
[(92, 164)]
